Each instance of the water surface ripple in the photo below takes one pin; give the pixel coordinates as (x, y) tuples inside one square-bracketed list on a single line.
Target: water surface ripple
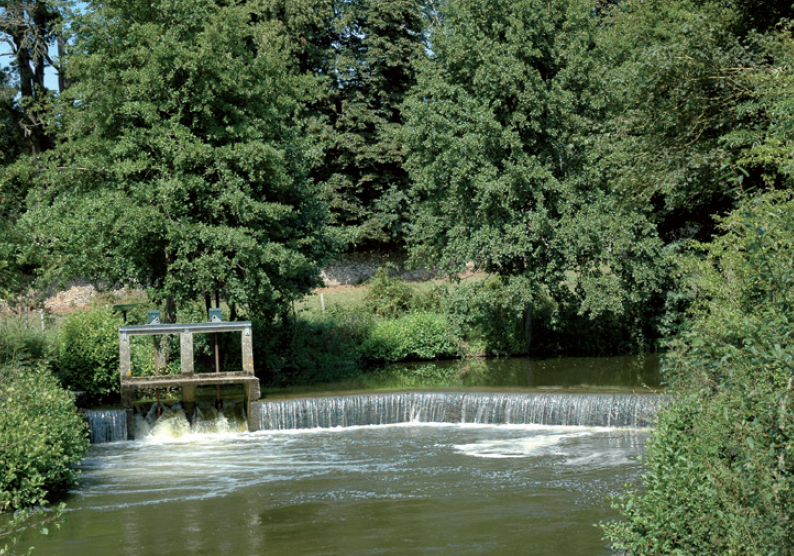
[(391, 489)]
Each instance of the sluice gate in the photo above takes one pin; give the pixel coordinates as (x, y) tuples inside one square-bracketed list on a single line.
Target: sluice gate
[(188, 379)]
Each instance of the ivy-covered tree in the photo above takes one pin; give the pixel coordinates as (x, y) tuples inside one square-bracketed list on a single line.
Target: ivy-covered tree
[(181, 162), (28, 30)]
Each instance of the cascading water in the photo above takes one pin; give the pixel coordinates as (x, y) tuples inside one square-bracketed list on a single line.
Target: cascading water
[(592, 410), (173, 422), (106, 425)]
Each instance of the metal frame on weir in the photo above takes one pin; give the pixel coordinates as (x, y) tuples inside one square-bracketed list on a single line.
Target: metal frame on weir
[(188, 379)]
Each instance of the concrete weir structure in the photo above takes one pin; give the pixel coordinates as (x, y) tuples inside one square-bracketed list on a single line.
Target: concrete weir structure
[(187, 380)]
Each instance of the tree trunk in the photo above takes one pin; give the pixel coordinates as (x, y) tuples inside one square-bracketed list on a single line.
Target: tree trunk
[(528, 329)]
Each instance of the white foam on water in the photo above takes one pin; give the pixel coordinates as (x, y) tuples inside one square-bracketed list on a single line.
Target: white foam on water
[(517, 447), (173, 425), (600, 459), (434, 425)]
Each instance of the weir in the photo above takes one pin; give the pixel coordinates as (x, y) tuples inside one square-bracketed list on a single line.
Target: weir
[(595, 410), (491, 408), (107, 425)]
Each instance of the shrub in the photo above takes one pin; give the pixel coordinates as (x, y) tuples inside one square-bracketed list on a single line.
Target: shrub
[(418, 335), (488, 315), (308, 349), (387, 296), (17, 343), (720, 465), (42, 435), (88, 352)]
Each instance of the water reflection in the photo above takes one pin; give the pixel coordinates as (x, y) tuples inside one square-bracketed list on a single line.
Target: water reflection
[(576, 374)]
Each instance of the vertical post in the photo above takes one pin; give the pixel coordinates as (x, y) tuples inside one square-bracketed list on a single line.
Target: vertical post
[(125, 363), (125, 371), (156, 351), (252, 394), (187, 364), (248, 351), (254, 415), (322, 302), (127, 399), (42, 321), (186, 353)]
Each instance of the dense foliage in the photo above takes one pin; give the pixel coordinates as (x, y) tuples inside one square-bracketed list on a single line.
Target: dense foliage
[(619, 169), (413, 336), (182, 162), (371, 60), (42, 435), (498, 155), (720, 466), (689, 89), (88, 353)]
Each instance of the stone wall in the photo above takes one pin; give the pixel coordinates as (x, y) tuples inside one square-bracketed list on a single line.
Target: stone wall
[(354, 268), (348, 270)]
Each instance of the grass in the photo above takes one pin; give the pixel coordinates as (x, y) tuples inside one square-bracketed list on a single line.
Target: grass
[(344, 299)]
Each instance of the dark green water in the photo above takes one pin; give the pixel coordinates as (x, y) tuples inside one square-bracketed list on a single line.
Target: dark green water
[(387, 490), (634, 374)]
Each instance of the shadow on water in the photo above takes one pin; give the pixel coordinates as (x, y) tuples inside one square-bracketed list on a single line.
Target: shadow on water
[(629, 374)]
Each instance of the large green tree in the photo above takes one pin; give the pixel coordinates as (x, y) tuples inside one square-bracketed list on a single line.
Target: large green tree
[(682, 80), (181, 161), (497, 135), (704, 128), (372, 63)]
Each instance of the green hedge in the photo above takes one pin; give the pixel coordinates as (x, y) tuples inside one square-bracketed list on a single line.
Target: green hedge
[(88, 352), (418, 335), (42, 435)]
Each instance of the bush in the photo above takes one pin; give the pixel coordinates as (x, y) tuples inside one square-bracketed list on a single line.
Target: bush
[(17, 343), (488, 315), (42, 435), (88, 352), (418, 335), (387, 296), (319, 348), (720, 465)]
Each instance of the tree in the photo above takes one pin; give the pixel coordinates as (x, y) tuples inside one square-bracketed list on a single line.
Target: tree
[(181, 163), (11, 138), (720, 466), (363, 53), (11, 198), (683, 106), (28, 28), (376, 47), (498, 153)]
